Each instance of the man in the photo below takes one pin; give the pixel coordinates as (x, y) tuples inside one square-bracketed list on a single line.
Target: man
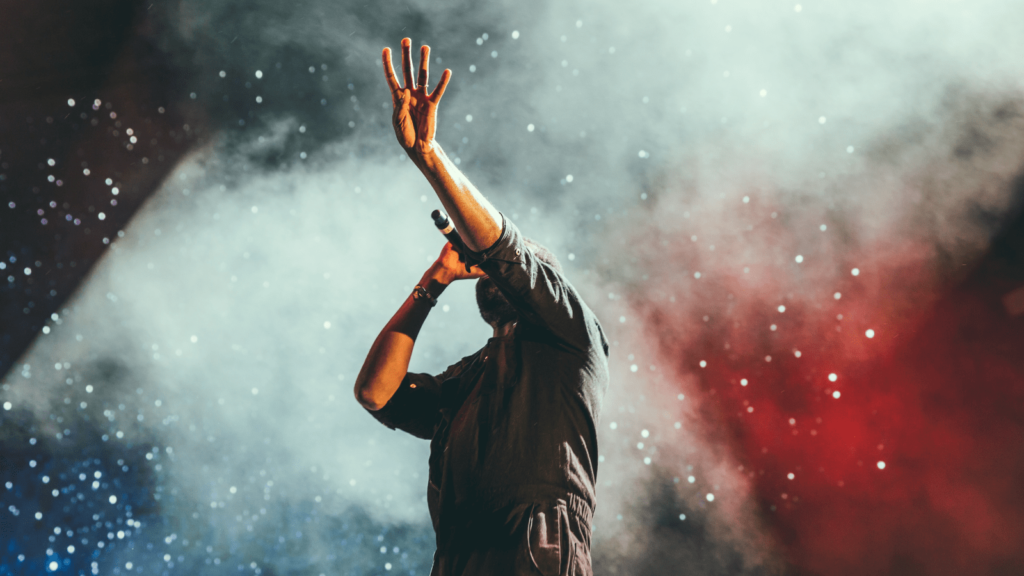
[(513, 427)]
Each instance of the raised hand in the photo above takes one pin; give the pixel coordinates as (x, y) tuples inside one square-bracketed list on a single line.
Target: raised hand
[(415, 111)]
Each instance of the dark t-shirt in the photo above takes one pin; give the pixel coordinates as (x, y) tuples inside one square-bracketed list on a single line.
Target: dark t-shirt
[(516, 422)]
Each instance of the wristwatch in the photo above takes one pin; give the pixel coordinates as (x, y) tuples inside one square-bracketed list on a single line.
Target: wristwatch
[(420, 293)]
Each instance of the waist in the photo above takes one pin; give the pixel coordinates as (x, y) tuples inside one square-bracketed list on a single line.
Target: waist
[(500, 514), (493, 500)]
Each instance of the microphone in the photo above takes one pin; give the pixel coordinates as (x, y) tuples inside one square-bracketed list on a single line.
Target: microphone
[(447, 227)]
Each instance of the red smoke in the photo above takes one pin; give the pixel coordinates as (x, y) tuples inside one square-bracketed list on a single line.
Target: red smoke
[(937, 394)]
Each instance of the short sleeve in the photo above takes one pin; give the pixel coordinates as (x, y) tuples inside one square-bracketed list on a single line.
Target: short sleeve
[(415, 407), (539, 292)]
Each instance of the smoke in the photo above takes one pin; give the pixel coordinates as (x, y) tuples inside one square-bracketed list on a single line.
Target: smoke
[(827, 354), (709, 173)]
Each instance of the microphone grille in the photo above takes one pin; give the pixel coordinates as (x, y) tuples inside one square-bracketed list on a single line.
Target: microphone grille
[(440, 219)]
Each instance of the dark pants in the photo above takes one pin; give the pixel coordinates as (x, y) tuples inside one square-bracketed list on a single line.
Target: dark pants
[(548, 539)]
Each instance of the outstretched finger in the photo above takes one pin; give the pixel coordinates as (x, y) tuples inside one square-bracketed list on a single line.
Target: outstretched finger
[(389, 71), (407, 63), (424, 66), (441, 85)]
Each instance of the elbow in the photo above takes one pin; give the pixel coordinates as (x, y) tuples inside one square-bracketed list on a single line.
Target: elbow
[(367, 399)]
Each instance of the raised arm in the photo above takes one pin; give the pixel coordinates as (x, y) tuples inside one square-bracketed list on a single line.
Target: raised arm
[(415, 122), (388, 360)]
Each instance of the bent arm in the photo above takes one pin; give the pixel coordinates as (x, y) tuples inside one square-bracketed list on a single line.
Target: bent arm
[(476, 219), (388, 360)]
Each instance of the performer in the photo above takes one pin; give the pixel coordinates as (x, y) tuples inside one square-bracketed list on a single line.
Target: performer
[(512, 427)]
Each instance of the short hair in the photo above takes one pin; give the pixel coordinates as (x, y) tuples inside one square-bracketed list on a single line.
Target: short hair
[(543, 254)]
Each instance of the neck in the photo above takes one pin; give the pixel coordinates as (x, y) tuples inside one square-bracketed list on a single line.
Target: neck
[(504, 329)]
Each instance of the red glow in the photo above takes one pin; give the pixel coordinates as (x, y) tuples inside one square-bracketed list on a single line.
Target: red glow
[(937, 394)]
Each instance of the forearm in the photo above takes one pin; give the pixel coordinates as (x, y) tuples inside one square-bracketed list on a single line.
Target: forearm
[(388, 360), (478, 222)]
